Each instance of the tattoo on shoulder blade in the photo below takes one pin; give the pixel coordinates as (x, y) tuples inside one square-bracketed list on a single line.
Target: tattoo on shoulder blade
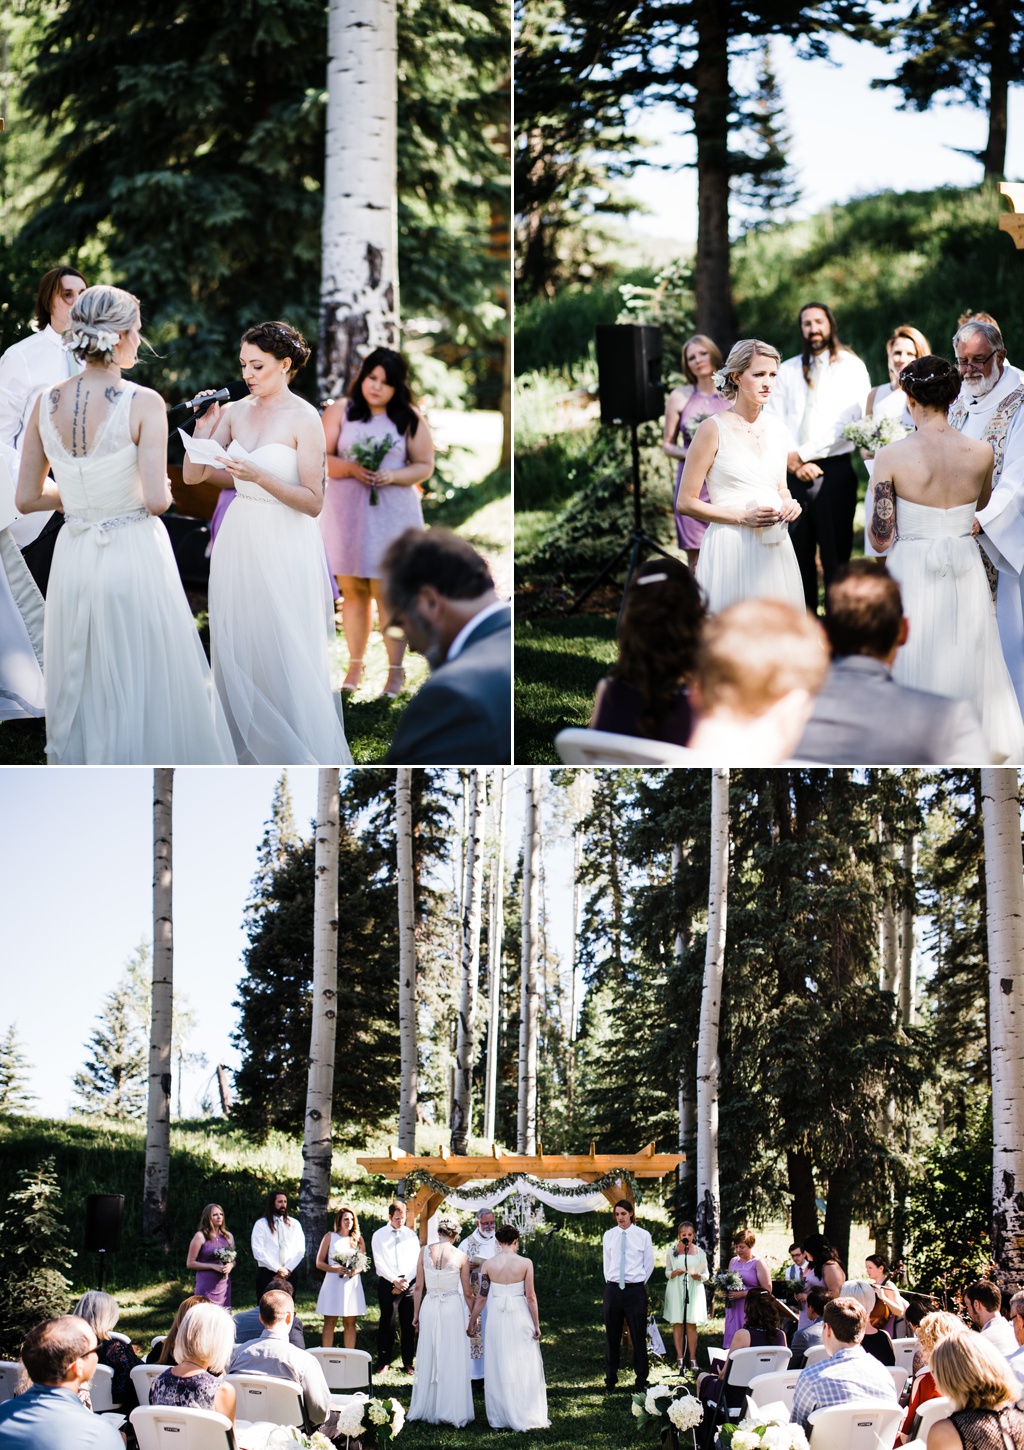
[(883, 513), (112, 394), (54, 400)]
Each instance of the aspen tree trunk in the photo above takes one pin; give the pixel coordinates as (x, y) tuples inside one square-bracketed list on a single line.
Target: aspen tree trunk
[(409, 1092), (155, 1223), (1005, 893), (577, 861), (527, 1121), (711, 1004), (908, 963), (359, 269), (495, 947), (462, 1107), (315, 1185), (687, 1104)]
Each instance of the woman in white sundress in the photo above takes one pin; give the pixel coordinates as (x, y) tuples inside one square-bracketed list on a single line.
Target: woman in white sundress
[(741, 455), (442, 1391), (514, 1388)]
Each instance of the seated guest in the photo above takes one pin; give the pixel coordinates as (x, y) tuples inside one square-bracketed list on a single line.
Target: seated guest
[(102, 1312), (861, 716), (849, 1374), (983, 1303), (248, 1324), (874, 1340), (932, 1328), (645, 693), (273, 1354), (916, 1312), (442, 601), (972, 1372), (759, 665), (1016, 1358), (806, 1338), (60, 1357), (162, 1351), (760, 1328), (202, 1349)]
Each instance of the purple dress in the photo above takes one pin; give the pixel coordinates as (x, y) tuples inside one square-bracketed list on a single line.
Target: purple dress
[(211, 1282), (357, 533), (698, 406), (735, 1312)]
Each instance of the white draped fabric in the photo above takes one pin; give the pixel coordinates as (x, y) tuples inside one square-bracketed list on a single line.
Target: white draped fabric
[(549, 1196)]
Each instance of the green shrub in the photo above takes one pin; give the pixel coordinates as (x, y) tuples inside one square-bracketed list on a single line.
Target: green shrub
[(558, 332), (36, 1249), (951, 1207)]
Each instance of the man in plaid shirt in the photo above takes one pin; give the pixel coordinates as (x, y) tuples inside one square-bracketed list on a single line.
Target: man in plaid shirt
[(849, 1374)]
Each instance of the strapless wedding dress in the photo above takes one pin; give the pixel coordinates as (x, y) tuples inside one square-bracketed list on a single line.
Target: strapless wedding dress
[(272, 627), (953, 648), (737, 562), (442, 1390), (515, 1390), (127, 682)]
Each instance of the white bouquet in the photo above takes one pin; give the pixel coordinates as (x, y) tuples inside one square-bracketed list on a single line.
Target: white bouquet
[(350, 1259), (686, 1413), (872, 434), (762, 1434), (350, 1419), (387, 1417), (287, 1437), (669, 1408)]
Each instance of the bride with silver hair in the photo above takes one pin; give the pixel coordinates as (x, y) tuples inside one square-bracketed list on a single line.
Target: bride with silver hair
[(442, 1390), (126, 678)]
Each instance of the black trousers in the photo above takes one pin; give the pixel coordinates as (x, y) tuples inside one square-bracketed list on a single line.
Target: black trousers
[(395, 1308), (825, 524), (39, 554), (629, 1304), (263, 1278)]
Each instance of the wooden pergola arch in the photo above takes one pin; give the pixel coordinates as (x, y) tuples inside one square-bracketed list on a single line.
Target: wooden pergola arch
[(453, 1171)]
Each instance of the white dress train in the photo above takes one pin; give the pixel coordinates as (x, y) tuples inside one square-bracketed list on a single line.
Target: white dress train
[(515, 1389), (442, 1391), (953, 648), (272, 627)]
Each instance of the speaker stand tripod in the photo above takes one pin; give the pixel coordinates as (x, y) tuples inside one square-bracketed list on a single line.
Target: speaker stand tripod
[(637, 540)]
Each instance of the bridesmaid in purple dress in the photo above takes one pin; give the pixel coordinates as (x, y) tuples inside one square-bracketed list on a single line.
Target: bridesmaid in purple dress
[(213, 1275), (685, 411), (755, 1275)]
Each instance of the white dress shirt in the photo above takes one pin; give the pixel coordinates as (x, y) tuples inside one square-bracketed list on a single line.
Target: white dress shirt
[(395, 1253), (639, 1254), (458, 644), (27, 369), (284, 1246), (999, 1333), (816, 416)]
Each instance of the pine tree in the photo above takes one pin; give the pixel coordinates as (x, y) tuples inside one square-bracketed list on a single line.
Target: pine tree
[(767, 186), (14, 1067), (33, 1285), (114, 1078)]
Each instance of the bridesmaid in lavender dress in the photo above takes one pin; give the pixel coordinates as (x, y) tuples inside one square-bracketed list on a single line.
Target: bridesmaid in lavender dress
[(685, 411), (365, 508), (755, 1275), (213, 1275)]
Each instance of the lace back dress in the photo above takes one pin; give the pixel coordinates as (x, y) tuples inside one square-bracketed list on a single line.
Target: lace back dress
[(127, 682), (737, 562), (953, 648), (442, 1390), (515, 1390), (990, 1429)]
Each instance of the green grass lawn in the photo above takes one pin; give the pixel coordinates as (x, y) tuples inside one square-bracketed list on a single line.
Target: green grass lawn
[(558, 664)]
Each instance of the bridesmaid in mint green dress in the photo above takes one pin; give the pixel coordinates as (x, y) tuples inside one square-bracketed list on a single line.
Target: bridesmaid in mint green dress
[(686, 1268)]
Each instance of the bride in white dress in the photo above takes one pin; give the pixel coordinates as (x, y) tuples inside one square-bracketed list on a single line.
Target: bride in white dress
[(741, 455), (126, 678), (442, 1390), (927, 488), (514, 1389), (271, 604)]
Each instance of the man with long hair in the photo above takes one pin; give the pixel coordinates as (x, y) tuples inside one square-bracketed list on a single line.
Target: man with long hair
[(816, 394), (278, 1243)]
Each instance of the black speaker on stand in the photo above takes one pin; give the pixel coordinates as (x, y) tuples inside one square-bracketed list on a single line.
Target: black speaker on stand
[(104, 1214), (631, 391)]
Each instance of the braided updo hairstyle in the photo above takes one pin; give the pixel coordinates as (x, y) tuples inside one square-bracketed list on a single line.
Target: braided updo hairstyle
[(98, 318), (931, 381), (741, 355), (280, 340)]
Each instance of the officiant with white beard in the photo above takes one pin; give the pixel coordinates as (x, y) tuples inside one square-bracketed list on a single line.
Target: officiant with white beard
[(479, 1246), (989, 408)]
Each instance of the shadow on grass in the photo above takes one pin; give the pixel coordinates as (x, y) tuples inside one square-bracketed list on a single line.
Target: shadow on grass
[(452, 513), (558, 665)]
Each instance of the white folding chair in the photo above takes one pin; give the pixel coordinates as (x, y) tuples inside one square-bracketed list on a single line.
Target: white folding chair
[(747, 1364), (11, 1374), (101, 1389), (602, 747), (779, 1385), (344, 1369), (900, 1376), (166, 1427), (815, 1354), (931, 1411), (264, 1397), (904, 1350), (861, 1426), (143, 1376)]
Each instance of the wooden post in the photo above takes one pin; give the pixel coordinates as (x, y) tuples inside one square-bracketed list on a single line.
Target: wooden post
[(1013, 220)]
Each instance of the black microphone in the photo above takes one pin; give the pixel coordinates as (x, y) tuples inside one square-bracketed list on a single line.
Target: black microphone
[(198, 406)]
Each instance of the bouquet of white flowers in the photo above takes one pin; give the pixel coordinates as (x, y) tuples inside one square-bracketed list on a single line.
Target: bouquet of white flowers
[(872, 434), (349, 1259), (370, 455), (729, 1282), (288, 1437), (670, 1409), (763, 1434), (225, 1256)]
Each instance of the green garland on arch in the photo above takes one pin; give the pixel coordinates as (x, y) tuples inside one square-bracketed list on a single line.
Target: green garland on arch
[(421, 1178)]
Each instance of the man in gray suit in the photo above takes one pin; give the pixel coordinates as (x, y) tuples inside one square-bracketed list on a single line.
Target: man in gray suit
[(861, 715), (441, 599)]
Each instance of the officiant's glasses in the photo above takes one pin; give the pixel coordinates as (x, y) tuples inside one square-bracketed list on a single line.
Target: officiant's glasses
[(963, 363)]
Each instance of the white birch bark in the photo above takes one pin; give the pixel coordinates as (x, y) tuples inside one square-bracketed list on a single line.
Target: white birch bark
[(315, 1184), (406, 964), (158, 1118), (1005, 895), (708, 1199), (527, 1119), (687, 1106), (495, 946), (359, 271), (462, 1107)]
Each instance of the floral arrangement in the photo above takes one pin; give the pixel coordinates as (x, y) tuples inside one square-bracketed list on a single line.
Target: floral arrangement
[(729, 1283), (754, 1434), (421, 1178), (370, 455), (671, 1410), (287, 1437), (349, 1259), (225, 1256), (386, 1418), (872, 434)]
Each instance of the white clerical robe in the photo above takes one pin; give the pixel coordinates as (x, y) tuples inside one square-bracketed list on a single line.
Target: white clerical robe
[(476, 1246)]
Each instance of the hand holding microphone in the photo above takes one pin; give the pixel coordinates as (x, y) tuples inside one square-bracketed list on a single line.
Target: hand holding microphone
[(204, 401)]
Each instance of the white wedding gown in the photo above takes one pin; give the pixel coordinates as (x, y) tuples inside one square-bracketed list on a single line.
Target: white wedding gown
[(127, 682), (515, 1391), (442, 1390), (272, 627), (953, 648), (737, 562)]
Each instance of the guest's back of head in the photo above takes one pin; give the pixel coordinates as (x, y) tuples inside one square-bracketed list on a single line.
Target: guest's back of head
[(755, 653), (972, 1373), (51, 1348), (863, 610), (436, 557), (847, 1318), (658, 637), (206, 1337)]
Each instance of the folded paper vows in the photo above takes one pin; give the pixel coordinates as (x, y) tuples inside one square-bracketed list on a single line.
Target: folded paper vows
[(207, 451)]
